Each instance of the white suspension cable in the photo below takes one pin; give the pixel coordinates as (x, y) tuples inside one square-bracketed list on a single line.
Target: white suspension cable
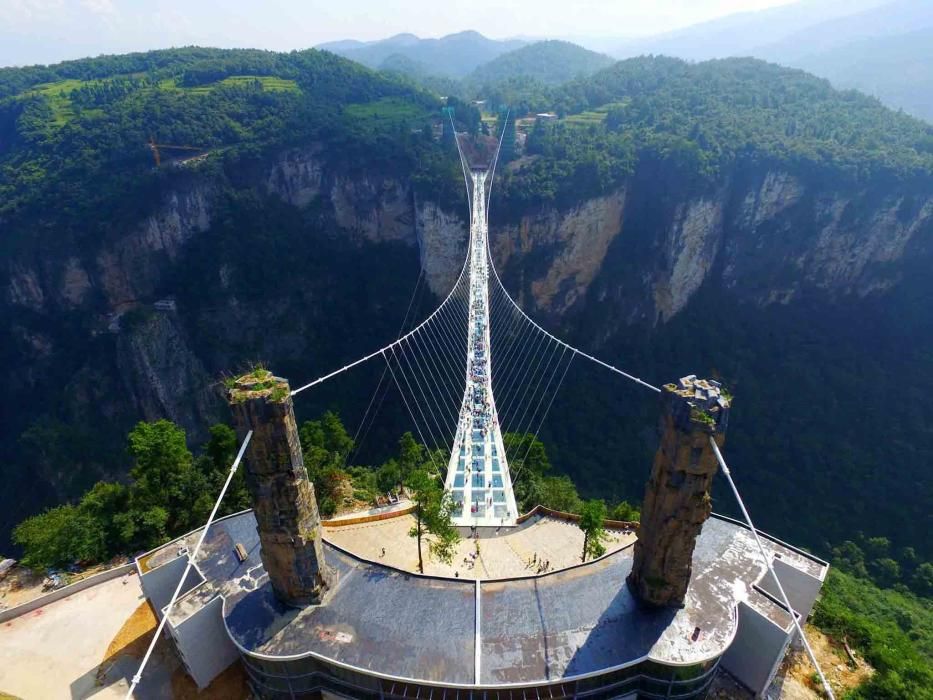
[(191, 559), (495, 162), (531, 399), (401, 329), (547, 409), (767, 561), (631, 377), (438, 422), (414, 396), (532, 358), (437, 376), (395, 342), (410, 412), (495, 273), (466, 179)]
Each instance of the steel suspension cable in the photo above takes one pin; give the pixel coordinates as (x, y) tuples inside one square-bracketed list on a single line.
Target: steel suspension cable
[(191, 559), (391, 345), (439, 423), (570, 347), (767, 561), (382, 377), (548, 409), (414, 396), (410, 412)]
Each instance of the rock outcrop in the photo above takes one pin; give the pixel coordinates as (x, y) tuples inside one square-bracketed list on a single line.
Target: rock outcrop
[(282, 495), (81, 311), (677, 496)]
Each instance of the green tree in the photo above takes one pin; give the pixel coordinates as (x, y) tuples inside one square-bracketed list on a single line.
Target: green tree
[(412, 456), (143, 528), (592, 522), (105, 502), (60, 536), (885, 571), (922, 580), (214, 464), (559, 493), (850, 557), (528, 463), (432, 517), (164, 476), (326, 444), (893, 631), (389, 476), (625, 511)]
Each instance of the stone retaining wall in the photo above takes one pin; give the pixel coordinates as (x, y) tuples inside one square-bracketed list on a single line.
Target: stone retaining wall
[(66, 591), (574, 518), (368, 518)]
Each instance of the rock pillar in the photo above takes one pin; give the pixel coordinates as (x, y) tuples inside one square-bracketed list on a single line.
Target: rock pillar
[(283, 498), (677, 495)]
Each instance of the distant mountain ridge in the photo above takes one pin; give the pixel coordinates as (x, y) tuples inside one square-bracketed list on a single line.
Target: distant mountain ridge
[(549, 62), (454, 55), (876, 46)]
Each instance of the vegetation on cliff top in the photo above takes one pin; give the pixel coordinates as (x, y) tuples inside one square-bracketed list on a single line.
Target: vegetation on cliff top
[(73, 137), (702, 119), (171, 492)]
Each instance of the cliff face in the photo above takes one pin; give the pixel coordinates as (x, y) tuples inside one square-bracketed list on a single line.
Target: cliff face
[(766, 236), (95, 329)]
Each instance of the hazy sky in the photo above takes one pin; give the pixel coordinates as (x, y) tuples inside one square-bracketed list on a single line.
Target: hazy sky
[(43, 31)]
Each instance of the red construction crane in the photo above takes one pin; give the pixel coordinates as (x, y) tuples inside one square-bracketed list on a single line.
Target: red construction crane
[(157, 156)]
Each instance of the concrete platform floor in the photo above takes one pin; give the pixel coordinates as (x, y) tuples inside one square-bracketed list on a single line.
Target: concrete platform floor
[(55, 651), (512, 553)]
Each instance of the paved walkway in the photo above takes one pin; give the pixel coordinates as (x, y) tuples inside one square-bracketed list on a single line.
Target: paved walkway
[(515, 552), (54, 652)]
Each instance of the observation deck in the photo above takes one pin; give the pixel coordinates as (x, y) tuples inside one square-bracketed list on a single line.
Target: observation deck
[(400, 628)]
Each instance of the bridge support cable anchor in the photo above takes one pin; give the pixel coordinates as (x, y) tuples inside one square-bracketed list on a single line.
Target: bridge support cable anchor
[(767, 560), (191, 559), (382, 350)]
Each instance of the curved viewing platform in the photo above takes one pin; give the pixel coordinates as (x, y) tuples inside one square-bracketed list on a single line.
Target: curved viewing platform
[(532, 629)]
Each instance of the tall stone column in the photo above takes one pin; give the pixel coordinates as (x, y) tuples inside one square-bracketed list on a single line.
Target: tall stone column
[(677, 495), (283, 498)]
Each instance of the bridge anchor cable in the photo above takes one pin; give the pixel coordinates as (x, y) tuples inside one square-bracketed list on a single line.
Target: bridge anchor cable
[(767, 561), (191, 559)]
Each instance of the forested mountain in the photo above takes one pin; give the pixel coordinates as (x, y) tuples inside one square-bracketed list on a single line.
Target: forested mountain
[(549, 62), (730, 218), (454, 55)]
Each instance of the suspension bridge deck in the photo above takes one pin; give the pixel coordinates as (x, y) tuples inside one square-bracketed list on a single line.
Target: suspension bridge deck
[(543, 628), (478, 478)]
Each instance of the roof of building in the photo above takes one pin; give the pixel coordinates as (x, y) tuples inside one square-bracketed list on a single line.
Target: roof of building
[(538, 629)]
